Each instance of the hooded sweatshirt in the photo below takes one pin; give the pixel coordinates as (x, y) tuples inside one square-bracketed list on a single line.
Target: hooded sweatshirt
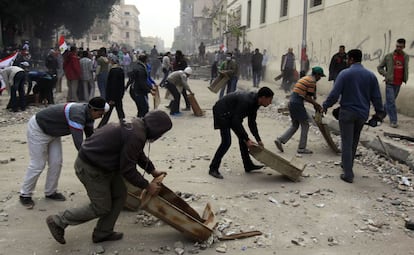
[(119, 148)]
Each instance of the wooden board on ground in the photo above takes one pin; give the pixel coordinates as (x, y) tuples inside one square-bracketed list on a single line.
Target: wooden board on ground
[(194, 105), (173, 210), (218, 83), (272, 160), (325, 132)]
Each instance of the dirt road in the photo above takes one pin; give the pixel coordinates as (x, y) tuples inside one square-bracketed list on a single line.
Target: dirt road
[(318, 215)]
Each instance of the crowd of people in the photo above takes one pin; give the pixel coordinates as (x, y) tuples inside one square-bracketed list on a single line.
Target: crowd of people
[(103, 162)]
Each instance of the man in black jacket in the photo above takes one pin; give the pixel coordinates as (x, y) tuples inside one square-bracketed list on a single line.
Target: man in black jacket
[(104, 159), (229, 113), (139, 86)]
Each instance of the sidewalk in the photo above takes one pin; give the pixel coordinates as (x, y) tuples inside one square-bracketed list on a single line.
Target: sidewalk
[(373, 138)]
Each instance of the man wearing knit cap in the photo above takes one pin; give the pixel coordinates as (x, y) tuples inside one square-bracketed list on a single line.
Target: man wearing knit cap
[(45, 146), (104, 161), (303, 90)]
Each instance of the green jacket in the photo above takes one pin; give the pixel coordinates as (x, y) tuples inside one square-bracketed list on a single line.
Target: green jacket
[(386, 68)]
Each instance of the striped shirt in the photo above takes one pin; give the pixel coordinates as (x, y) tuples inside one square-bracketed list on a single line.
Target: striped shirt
[(306, 86)]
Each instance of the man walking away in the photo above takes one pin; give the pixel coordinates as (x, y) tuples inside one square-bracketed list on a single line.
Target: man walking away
[(394, 67), (356, 87)]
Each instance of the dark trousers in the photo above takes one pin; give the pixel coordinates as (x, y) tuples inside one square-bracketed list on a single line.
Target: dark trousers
[(175, 104), (224, 147), (350, 125), (185, 96), (18, 86), (107, 194), (165, 71)]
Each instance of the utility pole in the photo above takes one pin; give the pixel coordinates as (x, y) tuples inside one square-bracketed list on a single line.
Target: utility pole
[(304, 57)]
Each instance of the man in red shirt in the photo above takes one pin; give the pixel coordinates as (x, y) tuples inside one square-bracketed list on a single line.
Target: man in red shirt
[(394, 67)]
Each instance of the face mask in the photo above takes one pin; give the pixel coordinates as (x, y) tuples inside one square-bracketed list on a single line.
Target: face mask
[(228, 58)]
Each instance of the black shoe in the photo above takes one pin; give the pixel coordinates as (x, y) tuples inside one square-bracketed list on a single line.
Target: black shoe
[(57, 232), (348, 180), (216, 174), (304, 151), (27, 202), (186, 109), (252, 168), (114, 236), (278, 144), (409, 225), (56, 196)]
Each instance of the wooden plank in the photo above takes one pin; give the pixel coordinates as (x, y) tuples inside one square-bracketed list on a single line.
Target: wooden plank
[(274, 161), (392, 135), (195, 106), (325, 132), (218, 83)]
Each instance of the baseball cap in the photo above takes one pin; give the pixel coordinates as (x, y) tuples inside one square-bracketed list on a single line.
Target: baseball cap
[(318, 70)]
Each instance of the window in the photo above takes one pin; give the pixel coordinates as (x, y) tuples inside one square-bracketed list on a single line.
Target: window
[(314, 3), (284, 8), (127, 23), (94, 37), (249, 13), (126, 13), (127, 34), (263, 12)]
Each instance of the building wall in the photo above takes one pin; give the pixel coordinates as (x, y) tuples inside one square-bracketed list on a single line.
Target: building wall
[(370, 25), (130, 21)]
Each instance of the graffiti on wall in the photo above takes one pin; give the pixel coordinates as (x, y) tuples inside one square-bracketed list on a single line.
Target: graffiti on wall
[(321, 52)]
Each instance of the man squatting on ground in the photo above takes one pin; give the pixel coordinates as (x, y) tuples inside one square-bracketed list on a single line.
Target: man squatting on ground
[(229, 113), (43, 138), (104, 159)]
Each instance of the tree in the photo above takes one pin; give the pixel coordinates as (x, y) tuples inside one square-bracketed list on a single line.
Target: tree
[(41, 17)]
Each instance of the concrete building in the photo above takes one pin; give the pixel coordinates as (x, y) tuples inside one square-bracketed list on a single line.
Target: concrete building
[(122, 28), (369, 25)]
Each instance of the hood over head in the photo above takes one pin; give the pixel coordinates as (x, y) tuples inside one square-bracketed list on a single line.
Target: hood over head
[(157, 123)]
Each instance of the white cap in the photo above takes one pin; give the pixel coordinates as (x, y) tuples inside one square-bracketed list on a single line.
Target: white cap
[(188, 70)]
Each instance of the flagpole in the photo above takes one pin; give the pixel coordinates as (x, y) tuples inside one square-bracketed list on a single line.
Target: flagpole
[(303, 58)]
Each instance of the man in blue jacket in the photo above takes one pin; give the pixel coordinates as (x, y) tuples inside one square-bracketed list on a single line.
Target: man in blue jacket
[(357, 87)]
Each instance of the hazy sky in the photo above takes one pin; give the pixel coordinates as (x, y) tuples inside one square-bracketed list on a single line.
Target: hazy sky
[(158, 18)]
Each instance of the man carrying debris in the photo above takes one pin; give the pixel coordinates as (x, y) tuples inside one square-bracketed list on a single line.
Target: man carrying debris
[(104, 159), (303, 90), (229, 113), (356, 87), (44, 140)]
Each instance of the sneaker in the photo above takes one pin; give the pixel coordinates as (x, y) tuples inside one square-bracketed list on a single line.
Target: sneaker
[(114, 236), (394, 125), (177, 114), (278, 144), (56, 196), (57, 232), (216, 174), (304, 151), (27, 202)]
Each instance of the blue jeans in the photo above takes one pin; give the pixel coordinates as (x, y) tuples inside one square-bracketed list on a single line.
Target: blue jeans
[(102, 79), (350, 125), (391, 93), (231, 86)]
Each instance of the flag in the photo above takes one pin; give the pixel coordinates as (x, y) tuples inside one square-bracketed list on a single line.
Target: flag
[(62, 44), (8, 61)]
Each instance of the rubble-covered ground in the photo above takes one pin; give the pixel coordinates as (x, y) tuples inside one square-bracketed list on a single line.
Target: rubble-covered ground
[(318, 215)]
